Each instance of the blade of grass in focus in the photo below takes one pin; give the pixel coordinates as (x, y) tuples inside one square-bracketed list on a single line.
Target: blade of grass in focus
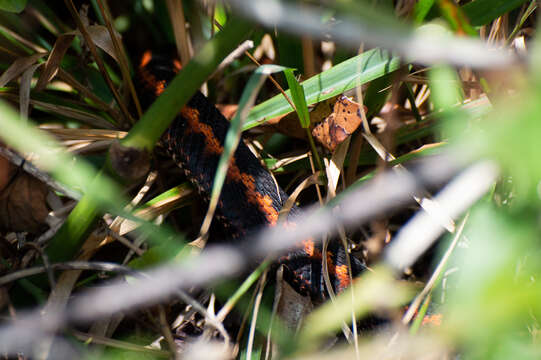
[(342, 77)]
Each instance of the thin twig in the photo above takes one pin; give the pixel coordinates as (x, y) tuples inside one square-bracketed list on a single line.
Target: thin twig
[(70, 265)]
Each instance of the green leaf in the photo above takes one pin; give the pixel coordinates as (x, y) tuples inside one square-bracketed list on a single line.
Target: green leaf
[(446, 91), (299, 100), (15, 6), (481, 12), (421, 10), (360, 69)]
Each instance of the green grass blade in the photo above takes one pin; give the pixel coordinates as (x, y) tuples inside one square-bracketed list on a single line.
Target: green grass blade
[(15, 6), (342, 77), (298, 97), (421, 10), (481, 12)]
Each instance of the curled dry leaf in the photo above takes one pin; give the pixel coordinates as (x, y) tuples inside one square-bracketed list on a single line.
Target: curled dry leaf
[(23, 205), (340, 124), (336, 118)]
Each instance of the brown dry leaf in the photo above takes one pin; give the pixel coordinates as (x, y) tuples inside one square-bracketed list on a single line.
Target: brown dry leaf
[(101, 37), (338, 126), (23, 205), (290, 306), (18, 67), (61, 45), (289, 124)]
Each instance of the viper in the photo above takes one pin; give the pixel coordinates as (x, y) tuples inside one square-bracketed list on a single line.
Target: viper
[(250, 198)]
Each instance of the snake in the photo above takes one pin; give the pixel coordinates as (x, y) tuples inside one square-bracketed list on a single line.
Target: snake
[(250, 197)]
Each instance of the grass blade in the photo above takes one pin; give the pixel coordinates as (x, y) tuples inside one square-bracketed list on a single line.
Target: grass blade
[(481, 12), (342, 77)]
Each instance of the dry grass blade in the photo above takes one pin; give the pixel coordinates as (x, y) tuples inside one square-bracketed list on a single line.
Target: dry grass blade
[(120, 54), (176, 14), (80, 115), (22, 40), (241, 50), (255, 313), (159, 208), (92, 47), (102, 340), (86, 134), (18, 67), (287, 161), (43, 19), (86, 117), (334, 168), (271, 78), (309, 181), (61, 45), (24, 89), (166, 330), (71, 265)]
